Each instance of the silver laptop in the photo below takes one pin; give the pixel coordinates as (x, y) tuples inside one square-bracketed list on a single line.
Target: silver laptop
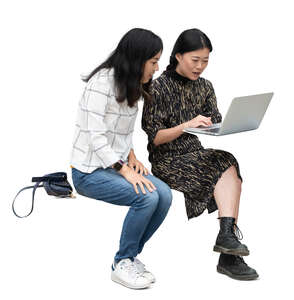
[(245, 113)]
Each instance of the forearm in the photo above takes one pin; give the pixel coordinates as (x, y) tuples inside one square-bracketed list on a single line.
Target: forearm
[(167, 135)]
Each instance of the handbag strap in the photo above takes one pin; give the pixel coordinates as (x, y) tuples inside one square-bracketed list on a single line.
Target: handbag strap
[(34, 187)]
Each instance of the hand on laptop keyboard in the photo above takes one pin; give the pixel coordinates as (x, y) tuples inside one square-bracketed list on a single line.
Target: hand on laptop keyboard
[(216, 125), (199, 121)]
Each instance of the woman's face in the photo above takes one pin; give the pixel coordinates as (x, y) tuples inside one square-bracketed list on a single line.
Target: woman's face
[(150, 67), (192, 64)]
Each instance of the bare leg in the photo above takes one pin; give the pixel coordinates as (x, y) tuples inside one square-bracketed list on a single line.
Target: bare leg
[(227, 193), (227, 196)]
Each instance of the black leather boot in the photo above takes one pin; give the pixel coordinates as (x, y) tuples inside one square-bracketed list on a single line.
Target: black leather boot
[(227, 242), (235, 267)]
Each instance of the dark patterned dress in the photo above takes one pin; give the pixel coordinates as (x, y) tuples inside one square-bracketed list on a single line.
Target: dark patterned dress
[(183, 163)]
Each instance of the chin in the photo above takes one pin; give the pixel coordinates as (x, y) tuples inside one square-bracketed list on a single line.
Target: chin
[(146, 81), (193, 78)]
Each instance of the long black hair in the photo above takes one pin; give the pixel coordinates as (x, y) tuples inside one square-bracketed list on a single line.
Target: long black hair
[(128, 60), (188, 40)]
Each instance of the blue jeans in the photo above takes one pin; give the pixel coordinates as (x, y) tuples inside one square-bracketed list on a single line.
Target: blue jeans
[(146, 213)]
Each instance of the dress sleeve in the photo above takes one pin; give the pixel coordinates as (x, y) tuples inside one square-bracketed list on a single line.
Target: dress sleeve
[(154, 115), (210, 106)]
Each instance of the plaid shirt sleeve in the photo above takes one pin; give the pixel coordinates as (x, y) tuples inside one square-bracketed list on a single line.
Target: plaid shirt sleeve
[(94, 105)]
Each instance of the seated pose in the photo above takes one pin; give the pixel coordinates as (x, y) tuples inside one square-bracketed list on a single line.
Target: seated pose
[(104, 165), (210, 179)]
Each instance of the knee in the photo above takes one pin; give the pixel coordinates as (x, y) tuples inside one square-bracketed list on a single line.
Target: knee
[(150, 200), (239, 181), (236, 178), (235, 174), (165, 195), (232, 171)]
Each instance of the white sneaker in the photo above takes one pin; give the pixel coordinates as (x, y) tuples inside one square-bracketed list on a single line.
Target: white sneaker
[(141, 268), (126, 273)]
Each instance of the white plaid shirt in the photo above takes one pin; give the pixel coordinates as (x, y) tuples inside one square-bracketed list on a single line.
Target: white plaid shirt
[(104, 127)]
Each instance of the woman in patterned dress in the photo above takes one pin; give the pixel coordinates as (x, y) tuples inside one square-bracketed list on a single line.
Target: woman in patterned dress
[(210, 179)]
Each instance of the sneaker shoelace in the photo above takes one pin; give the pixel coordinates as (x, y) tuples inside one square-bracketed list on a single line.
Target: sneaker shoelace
[(140, 266), (131, 269)]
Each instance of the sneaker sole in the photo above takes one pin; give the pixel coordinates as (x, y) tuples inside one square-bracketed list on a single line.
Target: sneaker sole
[(230, 251), (130, 286), (237, 277)]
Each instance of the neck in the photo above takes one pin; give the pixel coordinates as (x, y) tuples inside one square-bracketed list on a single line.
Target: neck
[(179, 71)]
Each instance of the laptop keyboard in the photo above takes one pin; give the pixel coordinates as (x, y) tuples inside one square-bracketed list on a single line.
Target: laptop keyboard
[(213, 130)]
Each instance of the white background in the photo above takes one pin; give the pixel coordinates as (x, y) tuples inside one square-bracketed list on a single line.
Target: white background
[(64, 250)]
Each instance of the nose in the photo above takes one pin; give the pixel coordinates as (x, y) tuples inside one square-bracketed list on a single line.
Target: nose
[(156, 67), (199, 65)]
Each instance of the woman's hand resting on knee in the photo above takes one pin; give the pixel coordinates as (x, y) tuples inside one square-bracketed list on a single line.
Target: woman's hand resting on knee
[(137, 165), (135, 178)]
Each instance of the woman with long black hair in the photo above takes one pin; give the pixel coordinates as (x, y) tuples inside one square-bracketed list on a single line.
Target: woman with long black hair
[(210, 179), (104, 165)]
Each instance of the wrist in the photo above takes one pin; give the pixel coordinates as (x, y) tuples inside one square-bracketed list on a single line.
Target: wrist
[(118, 165), (185, 125), (124, 169)]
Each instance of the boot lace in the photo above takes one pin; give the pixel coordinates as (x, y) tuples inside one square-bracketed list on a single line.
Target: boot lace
[(240, 261), (238, 232)]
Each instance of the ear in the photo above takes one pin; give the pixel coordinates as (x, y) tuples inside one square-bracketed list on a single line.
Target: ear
[(178, 57)]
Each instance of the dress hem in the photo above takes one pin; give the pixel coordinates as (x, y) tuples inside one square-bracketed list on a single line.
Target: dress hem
[(211, 190)]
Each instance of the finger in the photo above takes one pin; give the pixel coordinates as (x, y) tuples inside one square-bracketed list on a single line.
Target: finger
[(146, 172), (137, 168), (131, 164), (149, 187), (141, 170), (150, 183), (203, 118), (142, 187), (135, 188), (207, 121), (202, 123)]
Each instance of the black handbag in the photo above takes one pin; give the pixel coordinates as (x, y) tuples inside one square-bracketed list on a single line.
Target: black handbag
[(55, 184)]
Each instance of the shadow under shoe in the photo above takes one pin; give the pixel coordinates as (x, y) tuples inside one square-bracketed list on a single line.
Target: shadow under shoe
[(235, 267), (227, 241)]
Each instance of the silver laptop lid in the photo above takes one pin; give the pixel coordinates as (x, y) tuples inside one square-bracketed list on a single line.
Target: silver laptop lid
[(245, 113)]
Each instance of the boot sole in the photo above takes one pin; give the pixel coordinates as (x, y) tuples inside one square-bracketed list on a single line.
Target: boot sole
[(230, 251), (237, 277)]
